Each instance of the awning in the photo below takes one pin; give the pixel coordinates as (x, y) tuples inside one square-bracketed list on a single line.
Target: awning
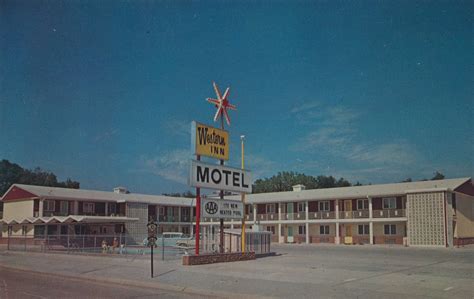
[(69, 219)]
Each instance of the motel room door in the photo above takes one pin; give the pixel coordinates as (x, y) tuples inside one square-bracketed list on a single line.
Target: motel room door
[(348, 234), (289, 210), (348, 208), (290, 234)]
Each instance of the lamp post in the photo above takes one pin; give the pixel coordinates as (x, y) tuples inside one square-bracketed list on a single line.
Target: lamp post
[(242, 138)]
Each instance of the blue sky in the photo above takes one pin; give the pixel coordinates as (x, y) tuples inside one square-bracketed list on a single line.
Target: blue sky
[(104, 91)]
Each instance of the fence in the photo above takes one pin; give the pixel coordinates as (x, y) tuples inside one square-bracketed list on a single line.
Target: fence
[(259, 242), (119, 244), (123, 244)]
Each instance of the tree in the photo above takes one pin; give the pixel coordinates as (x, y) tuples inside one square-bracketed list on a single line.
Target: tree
[(187, 194), (438, 176), (11, 173), (284, 181)]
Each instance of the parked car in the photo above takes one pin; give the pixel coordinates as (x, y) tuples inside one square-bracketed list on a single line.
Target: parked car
[(172, 239)]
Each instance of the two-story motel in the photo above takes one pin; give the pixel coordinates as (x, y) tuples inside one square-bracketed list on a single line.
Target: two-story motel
[(426, 213)]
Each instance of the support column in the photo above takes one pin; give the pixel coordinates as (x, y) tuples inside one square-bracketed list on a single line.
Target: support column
[(338, 239), (179, 219), (40, 212), (254, 214), (371, 224), (106, 209), (280, 239), (306, 222)]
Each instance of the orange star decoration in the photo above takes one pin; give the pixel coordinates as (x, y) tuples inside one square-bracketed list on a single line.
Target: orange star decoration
[(222, 104)]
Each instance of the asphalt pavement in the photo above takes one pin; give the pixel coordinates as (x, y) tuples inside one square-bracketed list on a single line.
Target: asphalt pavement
[(297, 271)]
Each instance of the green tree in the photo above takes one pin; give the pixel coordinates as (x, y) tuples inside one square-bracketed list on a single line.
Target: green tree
[(11, 173), (438, 176), (284, 181)]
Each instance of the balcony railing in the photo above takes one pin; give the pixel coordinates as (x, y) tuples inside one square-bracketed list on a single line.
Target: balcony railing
[(249, 217), (294, 216), (267, 217), (185, 218), (321, 215), (166, 218), (388, 213), (354, 214)]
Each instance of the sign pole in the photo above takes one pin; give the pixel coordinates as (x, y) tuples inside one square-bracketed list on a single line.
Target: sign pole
[(151, 260), (198, 213), (152, 227), (222, 197), (243, 199)]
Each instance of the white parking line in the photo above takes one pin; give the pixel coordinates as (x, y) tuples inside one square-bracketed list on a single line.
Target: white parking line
[(448, 288), (350, 279)]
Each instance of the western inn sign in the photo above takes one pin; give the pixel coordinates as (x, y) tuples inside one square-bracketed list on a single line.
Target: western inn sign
[(209, 141)]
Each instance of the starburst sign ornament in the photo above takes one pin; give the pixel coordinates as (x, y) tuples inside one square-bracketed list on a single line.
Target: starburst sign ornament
[(221, 103)]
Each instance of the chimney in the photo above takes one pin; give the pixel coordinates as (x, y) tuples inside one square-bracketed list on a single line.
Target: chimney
[(121, 190), (298, 188)]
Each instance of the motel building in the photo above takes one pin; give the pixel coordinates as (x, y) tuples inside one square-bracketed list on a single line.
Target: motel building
[(427, 213)]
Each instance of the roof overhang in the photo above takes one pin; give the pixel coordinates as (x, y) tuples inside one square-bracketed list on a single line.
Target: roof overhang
[(69, 219)]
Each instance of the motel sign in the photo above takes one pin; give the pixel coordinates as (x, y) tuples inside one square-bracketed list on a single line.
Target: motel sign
[(220, 177)]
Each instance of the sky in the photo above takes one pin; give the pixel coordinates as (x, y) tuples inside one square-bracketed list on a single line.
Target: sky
[(104, 92)]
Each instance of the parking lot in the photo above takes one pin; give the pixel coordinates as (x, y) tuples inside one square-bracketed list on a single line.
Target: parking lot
[(299, 271)]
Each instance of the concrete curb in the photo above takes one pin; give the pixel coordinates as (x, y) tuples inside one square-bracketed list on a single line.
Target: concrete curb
[(134, 283)]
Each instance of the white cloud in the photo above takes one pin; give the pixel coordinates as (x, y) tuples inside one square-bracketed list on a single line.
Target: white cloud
[(305, 107), (177, 127), (105, 135), (259, 166), (400, 152), (171, 165), (336, 134)]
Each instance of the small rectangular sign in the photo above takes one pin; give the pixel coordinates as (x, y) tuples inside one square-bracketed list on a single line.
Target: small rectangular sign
[(221, 208), (209, 141), (219, 177)]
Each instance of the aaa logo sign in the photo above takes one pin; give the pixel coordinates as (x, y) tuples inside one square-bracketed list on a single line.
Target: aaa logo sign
[(222, 208), (209, 141)]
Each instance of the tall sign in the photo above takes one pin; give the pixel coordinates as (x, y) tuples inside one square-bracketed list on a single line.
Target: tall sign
[(209, 141), (214, 143)]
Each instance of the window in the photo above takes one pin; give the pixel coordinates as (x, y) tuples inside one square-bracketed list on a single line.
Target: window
[(270, 208), (185, 230), (301, 206), (49, 205), (88, 207), (39, 230), (363, 229), (64, 207), (362, 204), (112, 208), (324, 206), (161, 210), (324, 229), (24, 230), (390, 203), (302, 229), (390, 229), (271, 229)]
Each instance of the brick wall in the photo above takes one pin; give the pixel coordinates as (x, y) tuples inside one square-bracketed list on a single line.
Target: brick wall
[(189, 260)]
